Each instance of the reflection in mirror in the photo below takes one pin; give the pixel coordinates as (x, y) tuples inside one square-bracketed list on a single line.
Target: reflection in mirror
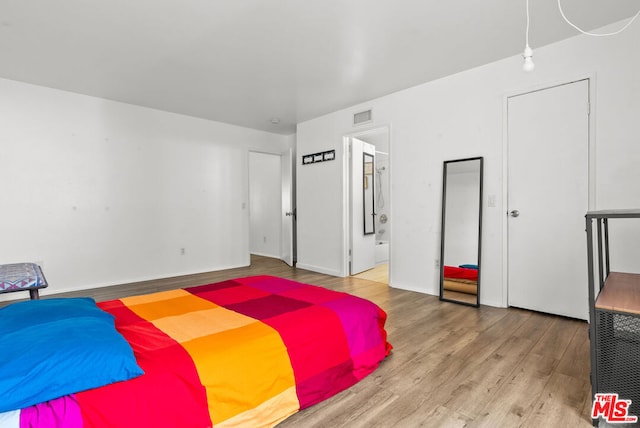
[(368, 194), (461, 231)]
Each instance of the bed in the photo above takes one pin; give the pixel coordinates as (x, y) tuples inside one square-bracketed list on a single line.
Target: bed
[(242, 352), (463, 279)]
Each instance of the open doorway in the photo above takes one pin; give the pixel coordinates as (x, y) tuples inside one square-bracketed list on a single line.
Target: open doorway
[(271, 205), (370, 243)]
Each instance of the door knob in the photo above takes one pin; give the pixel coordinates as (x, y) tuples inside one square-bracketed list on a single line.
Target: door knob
[(514, 213)]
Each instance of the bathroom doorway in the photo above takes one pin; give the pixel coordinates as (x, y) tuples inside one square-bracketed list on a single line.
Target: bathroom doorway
[(378, 269)]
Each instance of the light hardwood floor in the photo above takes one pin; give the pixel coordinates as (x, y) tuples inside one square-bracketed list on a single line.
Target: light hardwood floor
[(451, 366), (379, 273)]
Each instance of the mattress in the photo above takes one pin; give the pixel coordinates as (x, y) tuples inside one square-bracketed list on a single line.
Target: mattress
[(243, 352)]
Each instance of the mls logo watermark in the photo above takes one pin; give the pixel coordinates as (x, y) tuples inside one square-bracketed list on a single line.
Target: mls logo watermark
[(613, 409)]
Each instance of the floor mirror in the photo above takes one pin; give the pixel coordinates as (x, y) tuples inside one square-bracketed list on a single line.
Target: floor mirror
[(461, 231)]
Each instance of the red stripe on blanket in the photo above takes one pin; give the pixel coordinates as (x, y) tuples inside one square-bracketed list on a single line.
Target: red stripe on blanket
[(170, 382), (460, 273), (316, 349)]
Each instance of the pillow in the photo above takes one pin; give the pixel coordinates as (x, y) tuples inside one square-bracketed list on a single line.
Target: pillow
[(56, 347), (469, 267)]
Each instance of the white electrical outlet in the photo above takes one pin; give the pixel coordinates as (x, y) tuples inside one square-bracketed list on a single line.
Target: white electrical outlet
[(437, 263), (182, 251)]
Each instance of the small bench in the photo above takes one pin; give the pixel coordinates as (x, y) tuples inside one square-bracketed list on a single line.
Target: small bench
[(22, 277)]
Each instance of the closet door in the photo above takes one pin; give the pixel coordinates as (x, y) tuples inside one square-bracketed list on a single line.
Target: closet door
[(548, 177)]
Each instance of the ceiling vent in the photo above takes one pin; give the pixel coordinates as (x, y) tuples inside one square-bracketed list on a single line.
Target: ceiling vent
[(362, 117)]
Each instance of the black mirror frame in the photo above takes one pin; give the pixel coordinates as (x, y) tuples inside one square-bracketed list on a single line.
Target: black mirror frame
[(442, 229), (364, 194)]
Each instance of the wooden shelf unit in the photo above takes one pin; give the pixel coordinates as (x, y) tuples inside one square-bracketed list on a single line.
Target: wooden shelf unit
[(621, 293), (614, 315)]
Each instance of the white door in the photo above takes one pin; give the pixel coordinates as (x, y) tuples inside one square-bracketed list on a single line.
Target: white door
[(288, 208), (363, 256), (548, 177), (265, 235)]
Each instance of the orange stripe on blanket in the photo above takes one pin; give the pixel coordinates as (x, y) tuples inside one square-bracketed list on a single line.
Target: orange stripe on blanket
[(153, 297), (269, 413), (193, 325), (166, 303), (241, 368), (240, 361)]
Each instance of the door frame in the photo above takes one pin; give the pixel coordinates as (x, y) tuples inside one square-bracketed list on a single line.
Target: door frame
[(346, 193), (591, 169), (275, 152)]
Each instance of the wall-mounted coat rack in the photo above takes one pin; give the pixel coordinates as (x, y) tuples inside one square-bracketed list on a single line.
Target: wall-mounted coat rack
[(319, 157)]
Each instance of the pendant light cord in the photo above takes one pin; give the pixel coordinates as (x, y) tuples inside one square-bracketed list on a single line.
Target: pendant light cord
[(583, 31), (527, 32), (528, 53)]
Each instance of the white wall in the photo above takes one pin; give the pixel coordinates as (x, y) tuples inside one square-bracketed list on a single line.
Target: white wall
[(462, 116), (320, 202), (265, 204), (105, 193)]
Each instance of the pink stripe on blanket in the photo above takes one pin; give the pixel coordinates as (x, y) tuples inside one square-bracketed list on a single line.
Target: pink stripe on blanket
[(61, 412)]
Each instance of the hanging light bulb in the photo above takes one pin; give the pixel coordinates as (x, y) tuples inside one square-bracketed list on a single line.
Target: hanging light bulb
[(528, 53), (528, 59)]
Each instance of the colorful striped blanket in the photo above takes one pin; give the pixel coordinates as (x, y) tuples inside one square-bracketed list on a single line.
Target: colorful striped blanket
[(243, 352)]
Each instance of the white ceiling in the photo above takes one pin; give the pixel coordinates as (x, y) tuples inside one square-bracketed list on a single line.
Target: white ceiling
[(246, 61)]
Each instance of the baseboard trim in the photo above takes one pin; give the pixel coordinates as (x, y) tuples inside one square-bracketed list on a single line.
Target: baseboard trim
[(319, 269)]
